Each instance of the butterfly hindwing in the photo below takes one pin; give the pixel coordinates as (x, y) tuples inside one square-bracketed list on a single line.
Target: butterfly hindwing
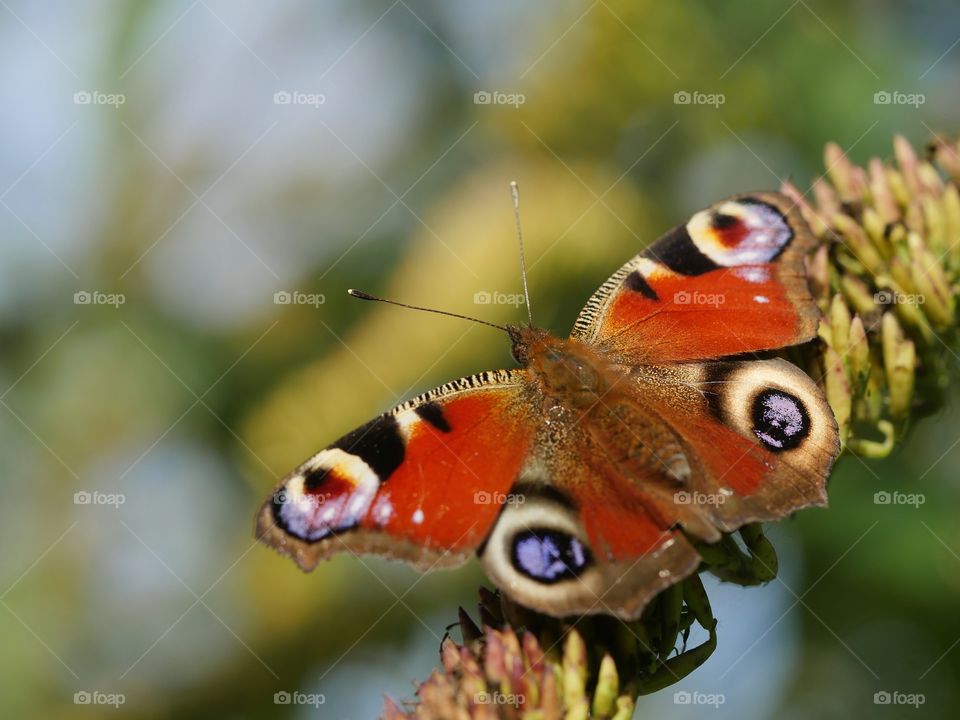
[(729, 281), (568, 543), (757, 439), (665, 457), (420, 483)]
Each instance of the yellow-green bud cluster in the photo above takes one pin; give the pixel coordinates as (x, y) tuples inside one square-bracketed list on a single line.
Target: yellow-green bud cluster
[(885, 278)]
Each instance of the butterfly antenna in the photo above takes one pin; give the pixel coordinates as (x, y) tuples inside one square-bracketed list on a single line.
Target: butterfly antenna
[(515, 195), (367, 296)]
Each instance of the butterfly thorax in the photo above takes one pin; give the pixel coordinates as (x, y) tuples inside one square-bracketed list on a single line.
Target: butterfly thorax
[(568, 372)]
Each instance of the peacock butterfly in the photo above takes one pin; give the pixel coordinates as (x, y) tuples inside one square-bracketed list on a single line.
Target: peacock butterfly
[(582, 477)]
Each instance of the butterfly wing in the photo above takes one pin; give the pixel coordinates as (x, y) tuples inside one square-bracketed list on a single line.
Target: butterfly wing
[(421, 483), (471, 466), (757, 439), (705, 447), (568, 544), (731, 280), (600, 522)]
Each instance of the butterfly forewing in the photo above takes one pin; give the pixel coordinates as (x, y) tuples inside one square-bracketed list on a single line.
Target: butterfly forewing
[(420, 483), (731, 280)]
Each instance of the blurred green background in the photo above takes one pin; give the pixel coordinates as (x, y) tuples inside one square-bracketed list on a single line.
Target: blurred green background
[(168, 168)]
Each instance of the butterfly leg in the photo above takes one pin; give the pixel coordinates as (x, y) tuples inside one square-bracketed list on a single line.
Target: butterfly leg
[(669, 611), (728, 562), (695, 607)]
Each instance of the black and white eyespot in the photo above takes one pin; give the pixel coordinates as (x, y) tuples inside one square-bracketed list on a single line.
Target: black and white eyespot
[(538, 545), (539, 554), (772, 401), (780, 420)]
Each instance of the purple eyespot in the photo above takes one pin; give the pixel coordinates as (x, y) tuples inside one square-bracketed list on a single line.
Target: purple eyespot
[(549, 556), (780, 420)]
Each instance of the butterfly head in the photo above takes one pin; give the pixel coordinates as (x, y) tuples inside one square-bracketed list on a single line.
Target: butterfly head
[(527, 341)]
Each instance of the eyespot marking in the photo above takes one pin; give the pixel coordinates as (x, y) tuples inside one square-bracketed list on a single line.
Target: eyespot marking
[(323, 481), (729, 229), (548, 556), (314, 508), (745, 231), (330, 495), (780, 420)]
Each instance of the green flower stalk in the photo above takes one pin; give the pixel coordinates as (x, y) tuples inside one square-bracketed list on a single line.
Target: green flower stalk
[(885, 278)]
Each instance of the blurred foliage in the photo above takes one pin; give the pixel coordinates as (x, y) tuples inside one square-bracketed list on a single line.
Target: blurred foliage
[(98, 398), (371, 365)]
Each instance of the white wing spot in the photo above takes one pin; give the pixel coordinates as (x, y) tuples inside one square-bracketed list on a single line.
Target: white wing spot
[(753, 274)]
